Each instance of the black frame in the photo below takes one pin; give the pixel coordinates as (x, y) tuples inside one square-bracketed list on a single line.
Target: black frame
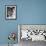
[(6, 12)]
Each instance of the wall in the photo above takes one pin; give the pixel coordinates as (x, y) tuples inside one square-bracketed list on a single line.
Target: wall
[(28, 12)]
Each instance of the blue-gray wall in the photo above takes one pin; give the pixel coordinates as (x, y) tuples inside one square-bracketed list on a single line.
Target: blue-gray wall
[(28, 12)]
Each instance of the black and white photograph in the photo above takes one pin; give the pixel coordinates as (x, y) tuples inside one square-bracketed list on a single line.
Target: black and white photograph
[(10, 12), (30, 34)]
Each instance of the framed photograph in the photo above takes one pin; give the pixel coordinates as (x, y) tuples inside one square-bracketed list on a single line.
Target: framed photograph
[(10, 12), (33, 32)]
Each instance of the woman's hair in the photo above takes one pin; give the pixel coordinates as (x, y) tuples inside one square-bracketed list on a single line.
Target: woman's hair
[(10, 11)]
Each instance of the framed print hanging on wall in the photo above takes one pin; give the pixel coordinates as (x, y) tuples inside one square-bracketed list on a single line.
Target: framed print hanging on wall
[(10, 11)]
